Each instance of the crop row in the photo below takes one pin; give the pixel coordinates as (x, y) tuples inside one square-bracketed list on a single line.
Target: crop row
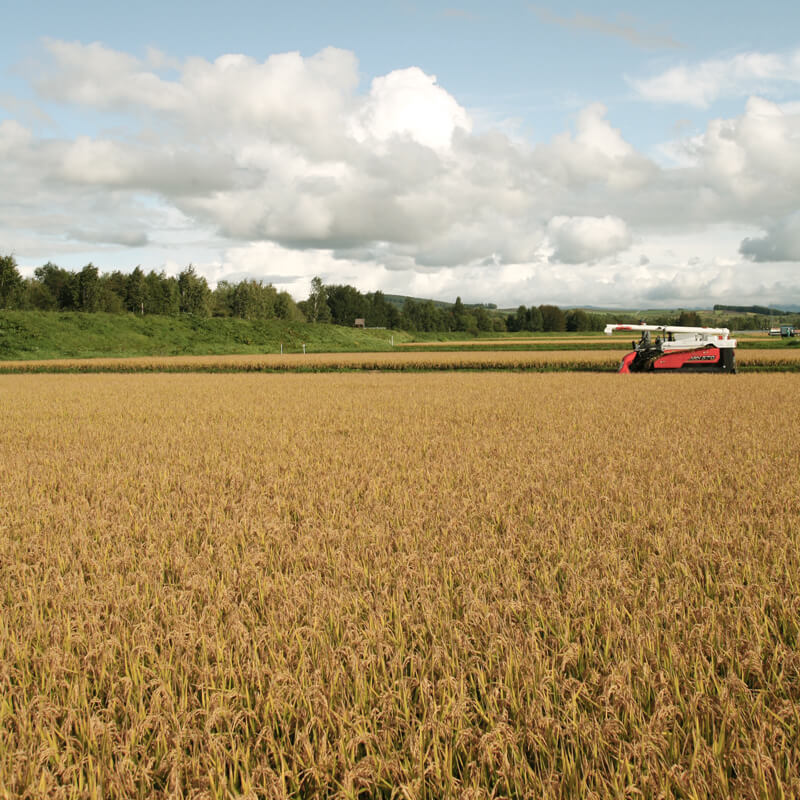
[(546, 361)]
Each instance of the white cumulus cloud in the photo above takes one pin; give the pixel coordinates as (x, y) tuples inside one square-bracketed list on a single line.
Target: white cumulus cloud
[(580, 239), (408, 102), (780, 243), (701, 84)]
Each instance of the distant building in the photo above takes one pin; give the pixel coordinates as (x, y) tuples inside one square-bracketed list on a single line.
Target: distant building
[(360, 323)]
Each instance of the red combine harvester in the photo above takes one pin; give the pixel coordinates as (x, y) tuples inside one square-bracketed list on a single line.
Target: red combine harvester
[(678, 349)]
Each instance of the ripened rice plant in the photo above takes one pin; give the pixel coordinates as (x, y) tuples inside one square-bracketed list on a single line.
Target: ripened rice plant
[(779, 359), (385, 585)]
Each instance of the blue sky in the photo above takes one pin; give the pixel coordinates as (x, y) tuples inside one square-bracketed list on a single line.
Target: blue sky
[(579, 153)]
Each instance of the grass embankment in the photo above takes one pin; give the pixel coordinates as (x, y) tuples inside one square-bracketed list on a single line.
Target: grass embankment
[(34, 335), (33, 341)]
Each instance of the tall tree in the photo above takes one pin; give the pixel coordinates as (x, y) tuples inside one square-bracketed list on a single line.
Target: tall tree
[(10, 283), (136, 292), (380, 312), (87, 289), (286, 308), (162, 293), (553, 318), (253, 300), (316, 307), (222, 299), (518, 320), (194, 294), (533, 319), (346, 303), (59, 283), (461, 319), (578, 320), (482, 319)]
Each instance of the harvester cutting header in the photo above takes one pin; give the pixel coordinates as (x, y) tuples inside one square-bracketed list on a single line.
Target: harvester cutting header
[(678, 349)]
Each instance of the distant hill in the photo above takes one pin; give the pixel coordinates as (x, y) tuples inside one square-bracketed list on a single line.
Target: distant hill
[(763, 310), (398, 300)]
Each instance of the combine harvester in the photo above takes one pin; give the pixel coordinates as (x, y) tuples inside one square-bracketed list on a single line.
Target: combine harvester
[(678, 349)]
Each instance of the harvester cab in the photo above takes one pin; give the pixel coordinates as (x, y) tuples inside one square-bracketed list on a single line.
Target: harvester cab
[(678, 349)]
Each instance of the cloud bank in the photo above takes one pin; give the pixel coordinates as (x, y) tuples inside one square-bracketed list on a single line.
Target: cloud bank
[(287, 167)]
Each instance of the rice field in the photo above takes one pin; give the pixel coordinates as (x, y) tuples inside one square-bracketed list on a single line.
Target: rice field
[(571, 339), (494, 584), (777, 359), (500, 341)]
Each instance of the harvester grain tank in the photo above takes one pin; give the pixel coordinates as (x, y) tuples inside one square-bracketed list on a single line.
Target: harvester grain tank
[(678, 349)]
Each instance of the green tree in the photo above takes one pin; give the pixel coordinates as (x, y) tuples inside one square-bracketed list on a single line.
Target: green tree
[(253, 300), (471, 325), (136, 292), (163, 296), (535, 319), (193, 293), (578, 320), (346, 303), (482, 318), (87, 289), (316, 307), (38, 296), (518, 320), (111, 298), (59, 283), (380, 313), (461, 319), (286, 308), (11, 283), (410, 315), (112, 291), (553, 318), (393, 316), (690, 319), (222, 299)]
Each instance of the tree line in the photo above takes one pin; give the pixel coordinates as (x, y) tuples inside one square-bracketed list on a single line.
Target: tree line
[(53, 288), (764, 310), (343, 305)]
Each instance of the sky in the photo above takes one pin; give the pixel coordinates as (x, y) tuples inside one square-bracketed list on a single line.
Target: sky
[(610, 154)]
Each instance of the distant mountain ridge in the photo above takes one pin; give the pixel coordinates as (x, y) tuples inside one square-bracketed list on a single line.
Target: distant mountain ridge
[(399, 299), (767, 311)]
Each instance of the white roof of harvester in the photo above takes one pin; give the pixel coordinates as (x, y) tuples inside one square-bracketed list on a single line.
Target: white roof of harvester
[(723, 332)]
